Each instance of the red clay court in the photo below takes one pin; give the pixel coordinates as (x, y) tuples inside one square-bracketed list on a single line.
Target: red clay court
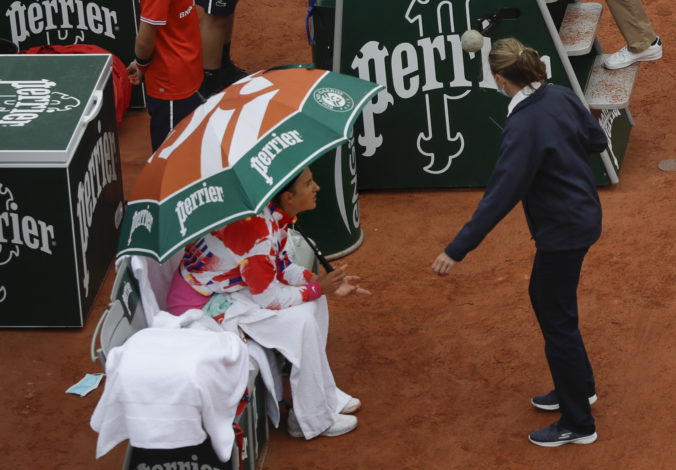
[(445, 367)]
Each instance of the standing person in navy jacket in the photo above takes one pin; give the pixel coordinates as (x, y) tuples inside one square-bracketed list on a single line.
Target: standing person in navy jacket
[(544, 163)]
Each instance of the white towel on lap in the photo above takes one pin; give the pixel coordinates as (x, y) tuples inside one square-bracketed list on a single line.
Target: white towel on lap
[(169, 387), (300, 334)]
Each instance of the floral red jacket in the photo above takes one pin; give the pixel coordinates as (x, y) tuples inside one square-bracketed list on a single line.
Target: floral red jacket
[(248, 254)]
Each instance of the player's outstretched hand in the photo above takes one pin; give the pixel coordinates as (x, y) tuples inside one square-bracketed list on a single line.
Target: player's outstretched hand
[(329, 282), (443, 264), (340, 284), (347, 288)]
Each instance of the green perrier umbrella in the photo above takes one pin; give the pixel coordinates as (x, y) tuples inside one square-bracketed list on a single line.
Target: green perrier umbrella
[(228, 158)]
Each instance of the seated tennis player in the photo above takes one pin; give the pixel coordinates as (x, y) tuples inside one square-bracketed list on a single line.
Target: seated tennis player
[(242, 275)]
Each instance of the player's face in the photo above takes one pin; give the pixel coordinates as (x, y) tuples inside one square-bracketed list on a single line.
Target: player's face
[(303, 194)]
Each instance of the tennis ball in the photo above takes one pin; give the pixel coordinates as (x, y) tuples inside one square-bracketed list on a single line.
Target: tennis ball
[(472, 40)]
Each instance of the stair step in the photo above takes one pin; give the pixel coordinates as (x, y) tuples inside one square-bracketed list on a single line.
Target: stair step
[(610, 89), (578, 28)]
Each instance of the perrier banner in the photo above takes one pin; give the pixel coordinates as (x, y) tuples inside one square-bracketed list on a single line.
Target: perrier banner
[(438, 123)]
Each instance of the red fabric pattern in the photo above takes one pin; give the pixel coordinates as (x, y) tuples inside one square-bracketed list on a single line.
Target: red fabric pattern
[(258, 272), (231, 235), (249, 254)]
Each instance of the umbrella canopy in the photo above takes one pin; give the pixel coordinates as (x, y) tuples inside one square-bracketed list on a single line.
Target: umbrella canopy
[(228, 158)]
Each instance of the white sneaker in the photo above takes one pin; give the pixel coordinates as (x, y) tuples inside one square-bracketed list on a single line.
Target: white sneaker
[(624, 57), (342, 424), (352, 406), (292, 426)]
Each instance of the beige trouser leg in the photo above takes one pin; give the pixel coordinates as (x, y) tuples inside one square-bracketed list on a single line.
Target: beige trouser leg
[(633, 23)]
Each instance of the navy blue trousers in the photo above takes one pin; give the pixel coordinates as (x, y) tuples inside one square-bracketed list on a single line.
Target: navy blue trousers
[(553, 293), (165, 114)]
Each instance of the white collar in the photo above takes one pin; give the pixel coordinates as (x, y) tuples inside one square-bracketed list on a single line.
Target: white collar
[(521, 95)]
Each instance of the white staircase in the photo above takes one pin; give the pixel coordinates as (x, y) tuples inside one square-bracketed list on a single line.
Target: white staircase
[(606, 89)]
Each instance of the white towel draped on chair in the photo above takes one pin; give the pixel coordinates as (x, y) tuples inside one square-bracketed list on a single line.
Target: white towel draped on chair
[(154, 280), (170, 386)]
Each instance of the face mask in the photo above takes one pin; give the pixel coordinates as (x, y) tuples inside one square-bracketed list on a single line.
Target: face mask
[(500, 90)]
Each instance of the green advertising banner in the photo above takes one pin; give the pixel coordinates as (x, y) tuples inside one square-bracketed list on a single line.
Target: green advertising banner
[(438, 122)]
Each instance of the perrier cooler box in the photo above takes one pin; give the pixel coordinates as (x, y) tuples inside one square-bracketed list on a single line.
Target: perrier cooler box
[(60, 186)]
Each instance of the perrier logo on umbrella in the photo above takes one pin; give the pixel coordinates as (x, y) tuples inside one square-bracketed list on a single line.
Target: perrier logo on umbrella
[(228, 158)]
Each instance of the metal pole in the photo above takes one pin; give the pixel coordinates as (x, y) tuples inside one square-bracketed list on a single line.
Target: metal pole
[(337, 36)]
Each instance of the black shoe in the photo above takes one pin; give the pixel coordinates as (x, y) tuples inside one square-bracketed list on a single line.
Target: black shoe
[(550, 401), (230, 73), (556, 435)]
